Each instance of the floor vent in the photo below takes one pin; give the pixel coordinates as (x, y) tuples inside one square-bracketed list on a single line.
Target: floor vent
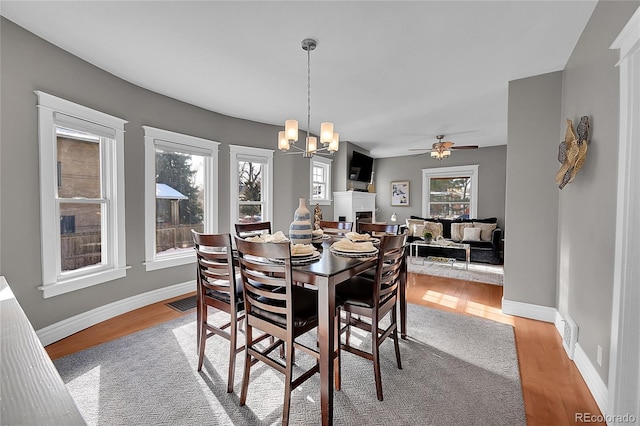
[(569, 335), (184, 305)]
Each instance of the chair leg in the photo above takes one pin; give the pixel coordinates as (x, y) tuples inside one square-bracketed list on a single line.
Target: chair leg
[(247, 364), (375, 346), (336, 347), (232, 353), (202, 333), (394, 336), (348, 332), (287, 383)]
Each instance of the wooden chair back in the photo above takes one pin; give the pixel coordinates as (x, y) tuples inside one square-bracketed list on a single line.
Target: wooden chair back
[(261, 279), (336, 228), (388, 270), (217, 287), (377, 229), (253, 228)]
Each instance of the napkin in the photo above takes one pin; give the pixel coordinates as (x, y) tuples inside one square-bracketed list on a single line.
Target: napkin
[(301, 249), (278, 237), (346, 244), (354, 236)]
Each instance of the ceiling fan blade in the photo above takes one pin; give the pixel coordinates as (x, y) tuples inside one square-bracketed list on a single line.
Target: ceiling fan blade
[(465, 147), (419, 149)]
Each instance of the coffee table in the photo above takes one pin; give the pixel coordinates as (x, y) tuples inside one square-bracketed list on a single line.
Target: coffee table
[(414, 245)]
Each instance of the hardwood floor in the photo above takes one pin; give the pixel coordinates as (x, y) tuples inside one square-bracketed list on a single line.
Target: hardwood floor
[(554, 391)]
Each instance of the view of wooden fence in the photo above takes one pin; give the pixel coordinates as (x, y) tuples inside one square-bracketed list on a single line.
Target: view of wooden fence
[(79, 250)]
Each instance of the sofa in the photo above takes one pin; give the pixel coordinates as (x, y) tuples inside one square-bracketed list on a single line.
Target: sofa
[(483, 236)]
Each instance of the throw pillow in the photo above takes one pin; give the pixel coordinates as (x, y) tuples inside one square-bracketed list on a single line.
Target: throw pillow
[(457, 230), (471, 234), (411, 224), (487, 229), (434, 228), (418, 230)]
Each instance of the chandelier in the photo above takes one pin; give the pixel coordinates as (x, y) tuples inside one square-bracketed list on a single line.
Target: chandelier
[(287, 138)]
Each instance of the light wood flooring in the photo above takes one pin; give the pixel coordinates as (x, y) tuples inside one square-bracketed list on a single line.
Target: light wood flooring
[(553, 389)]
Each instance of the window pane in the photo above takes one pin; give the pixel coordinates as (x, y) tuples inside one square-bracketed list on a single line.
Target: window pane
[(450, 189), (78, 164), (449, 210), (179, 199), (318, 174), (319, 190), (250, 181), (80, 235), (249, 213)]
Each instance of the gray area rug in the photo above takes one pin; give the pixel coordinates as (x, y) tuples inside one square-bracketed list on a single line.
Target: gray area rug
[(479, 272), (457, 370)]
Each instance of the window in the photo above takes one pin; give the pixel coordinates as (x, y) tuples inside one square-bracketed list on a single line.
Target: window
[(251, 198), (320, 180), (450, 192), (180, 195), (81, 195)]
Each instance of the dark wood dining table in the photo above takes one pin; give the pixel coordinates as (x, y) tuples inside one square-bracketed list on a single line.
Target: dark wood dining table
[(326, 273)]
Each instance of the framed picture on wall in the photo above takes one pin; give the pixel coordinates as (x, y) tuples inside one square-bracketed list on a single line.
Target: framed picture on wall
[(400, 193)]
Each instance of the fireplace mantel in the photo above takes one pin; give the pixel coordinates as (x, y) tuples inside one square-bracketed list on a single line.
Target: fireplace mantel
[(348, 203)]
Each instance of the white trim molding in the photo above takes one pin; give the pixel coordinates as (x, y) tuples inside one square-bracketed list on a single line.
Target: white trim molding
[(624, 366), (69, 326), (594, 382), (158, 138), (528, 310), (470, 171)]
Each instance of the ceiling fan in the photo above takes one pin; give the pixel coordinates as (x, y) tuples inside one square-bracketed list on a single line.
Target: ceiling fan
[(442, 149)]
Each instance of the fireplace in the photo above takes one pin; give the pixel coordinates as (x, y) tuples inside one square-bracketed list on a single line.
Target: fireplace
[(353, 206)]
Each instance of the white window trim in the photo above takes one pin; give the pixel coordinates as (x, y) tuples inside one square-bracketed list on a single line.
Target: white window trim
[(53, 282), (152, 136), (326, 164), (266, 155), (454, 171)]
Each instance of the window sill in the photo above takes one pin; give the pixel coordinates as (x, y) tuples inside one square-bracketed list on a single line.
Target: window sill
[(78, 283), (320, 202), (170, 262)]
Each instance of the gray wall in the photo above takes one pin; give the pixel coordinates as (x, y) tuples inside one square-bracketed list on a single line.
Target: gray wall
[(30, 63), (587, 208), (491, 179), (532, 196), (575, 269)]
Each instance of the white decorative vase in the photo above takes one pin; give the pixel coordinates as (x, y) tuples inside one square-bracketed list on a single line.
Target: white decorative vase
[(300, 231)]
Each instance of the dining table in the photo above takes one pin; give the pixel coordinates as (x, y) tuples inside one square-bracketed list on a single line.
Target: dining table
[(326, 273)]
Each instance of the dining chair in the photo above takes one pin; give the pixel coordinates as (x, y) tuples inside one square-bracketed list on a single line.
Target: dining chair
[(218, 287), (377, 229), (335, 228), (374, 299), (253, 228), (280, 309)]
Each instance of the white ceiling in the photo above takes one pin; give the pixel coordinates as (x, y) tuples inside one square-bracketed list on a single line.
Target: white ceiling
[(390, 75)]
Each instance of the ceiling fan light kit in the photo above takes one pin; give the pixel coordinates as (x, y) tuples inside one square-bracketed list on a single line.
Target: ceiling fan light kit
[(442, 149)]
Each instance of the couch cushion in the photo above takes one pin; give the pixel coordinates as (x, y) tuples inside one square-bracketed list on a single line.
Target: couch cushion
[(457, 230), (434, 227), (471, 234), (487, 229), (411, 224)]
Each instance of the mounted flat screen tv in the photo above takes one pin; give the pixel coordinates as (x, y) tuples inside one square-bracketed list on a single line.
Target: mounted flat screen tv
[(360, 167)]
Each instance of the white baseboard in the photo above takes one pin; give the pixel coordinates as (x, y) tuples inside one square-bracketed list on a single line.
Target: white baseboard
[(594, 382), (591, 377), (60, 330), (528, 310)]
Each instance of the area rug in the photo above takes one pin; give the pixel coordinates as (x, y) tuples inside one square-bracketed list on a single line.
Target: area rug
[(479, 272), (457, 370)]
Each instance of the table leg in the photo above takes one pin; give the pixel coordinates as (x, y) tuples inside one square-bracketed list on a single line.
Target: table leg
[(326, 315)]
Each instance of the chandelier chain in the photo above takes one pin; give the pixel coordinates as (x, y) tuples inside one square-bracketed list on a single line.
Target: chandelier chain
[(308, 91)]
